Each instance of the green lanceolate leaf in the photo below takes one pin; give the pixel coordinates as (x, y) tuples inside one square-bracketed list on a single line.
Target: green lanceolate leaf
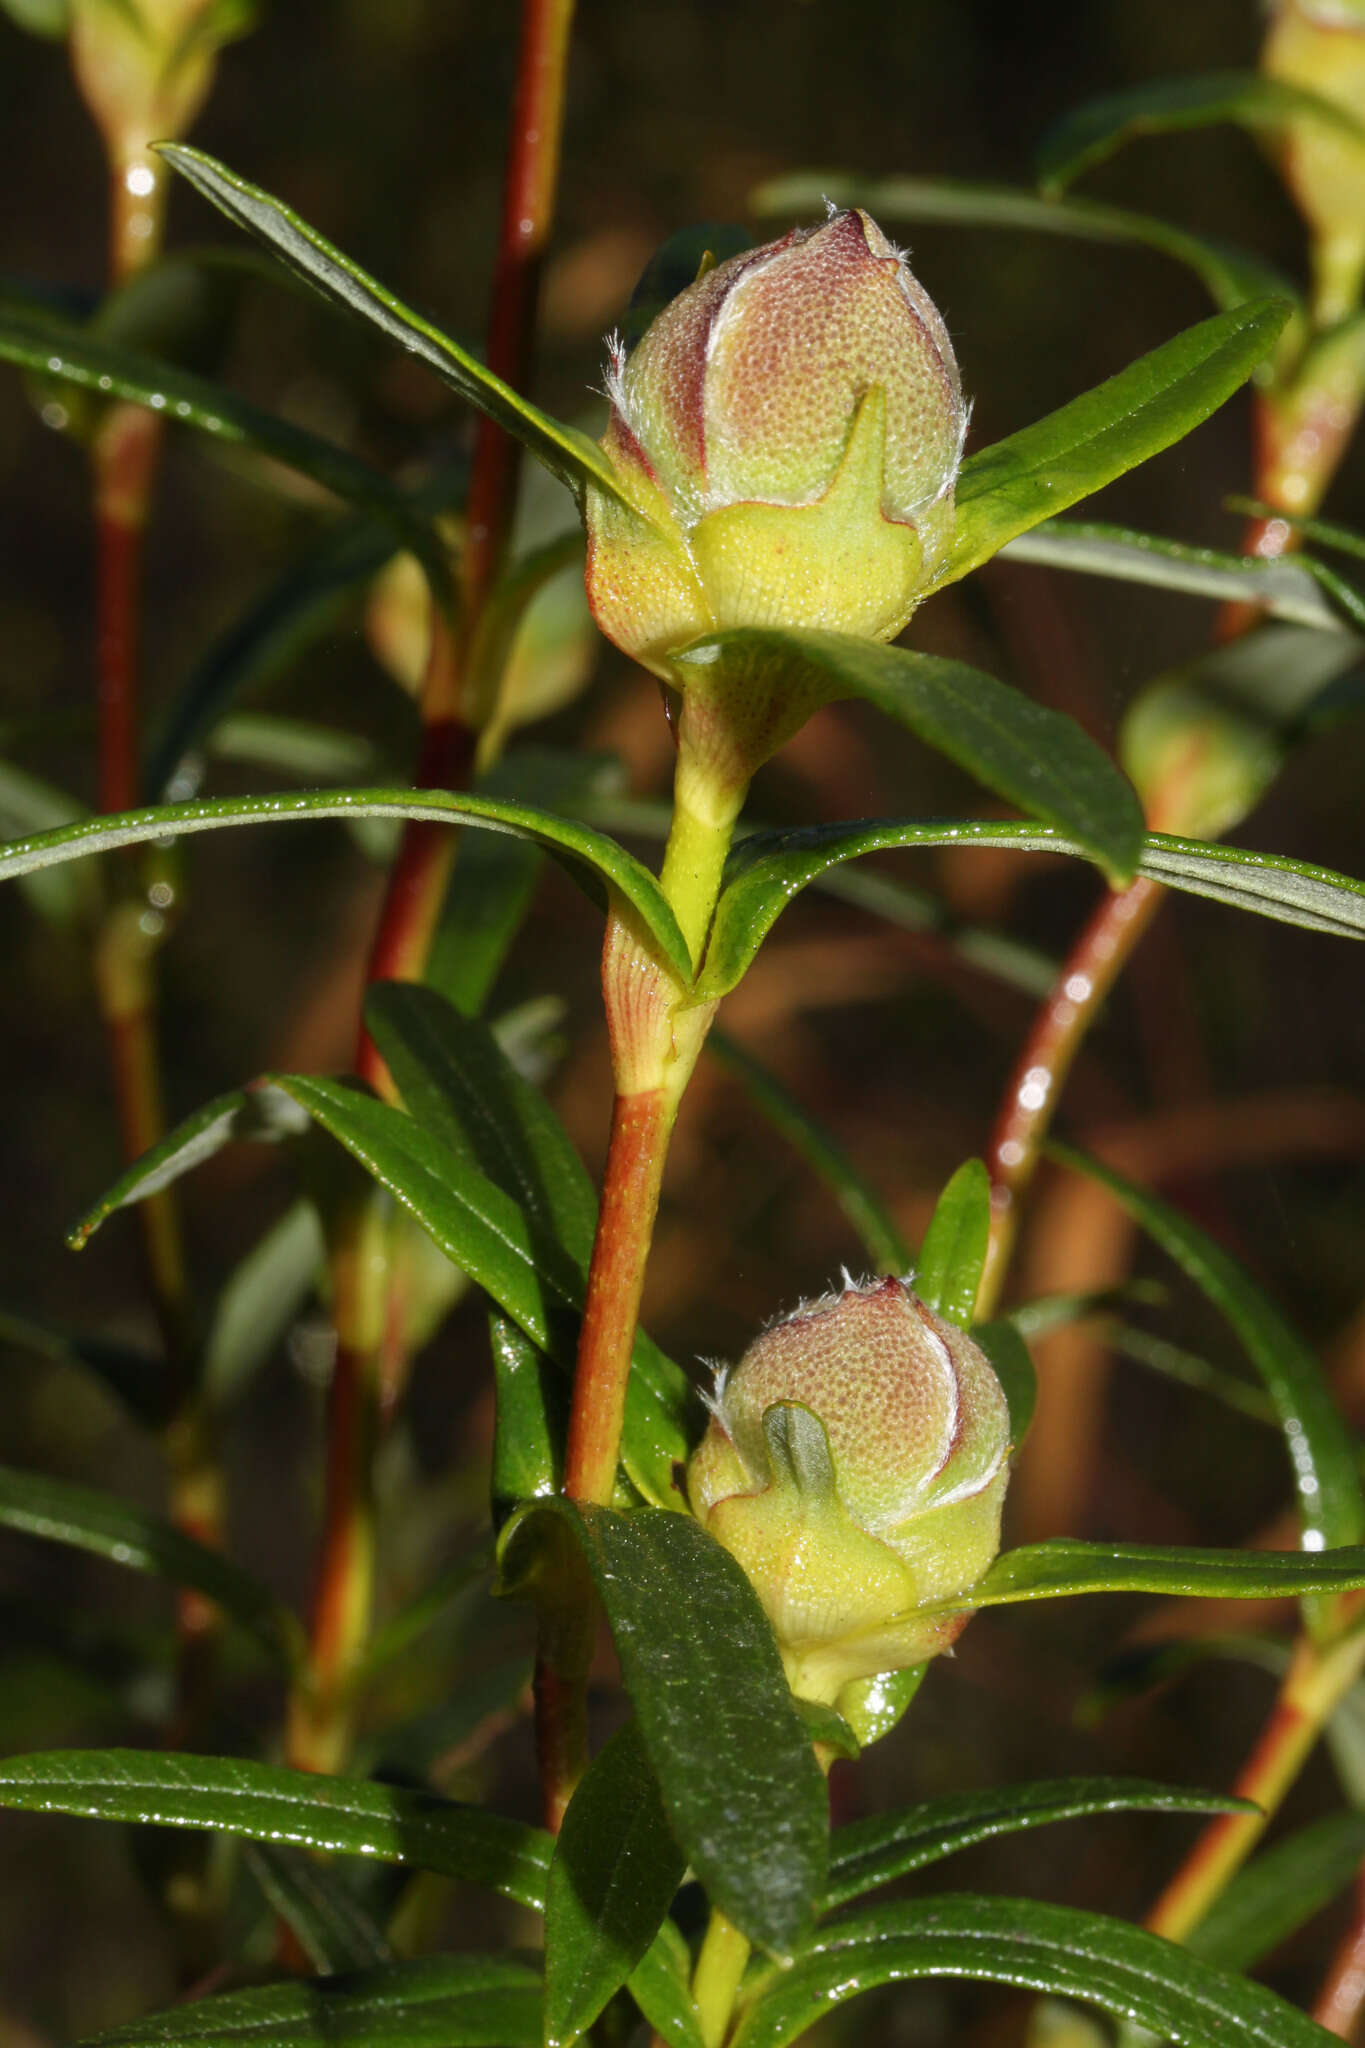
[(531, 1418), (333, 1928), (821, 1151), (1092, 132), (1130, 1973), (455, 1078), (872, 1852), (1272, 1896), (1013, 1367), (260, 1301), (1062, 1567), (606, 865), (1230, 275), (1033, 757), (659, 1984), (436, 2002), (54, 349), (1300, 591), (744, 1796), (1034, 474), (526, 1269), (953, 1253), (612, 1878), (768, 869), (115, 1529), (265, 1802), (141, 1380), (568, 454), (1321, 1452)]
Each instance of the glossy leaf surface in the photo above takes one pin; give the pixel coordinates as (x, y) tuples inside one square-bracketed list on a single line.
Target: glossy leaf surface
[(612, 1878), (1033, 757), (744, 1796), (1321, 1453), (346, 1816), (1063, 1567), (100, 1523), (568, 454), (953, 1253), (435, 2002), (871, 1852), (1128, 1972), (1034, 474)]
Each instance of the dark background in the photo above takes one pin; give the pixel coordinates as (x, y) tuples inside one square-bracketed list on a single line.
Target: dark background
[(383, 122)]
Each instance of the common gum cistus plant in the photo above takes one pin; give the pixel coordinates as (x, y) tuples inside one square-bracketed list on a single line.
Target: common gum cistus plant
[(685, 1597)]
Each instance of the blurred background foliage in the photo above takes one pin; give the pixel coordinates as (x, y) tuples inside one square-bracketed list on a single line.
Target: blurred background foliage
[(1228, 1067)]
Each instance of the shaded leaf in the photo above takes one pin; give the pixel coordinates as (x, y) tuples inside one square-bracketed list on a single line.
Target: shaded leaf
[(1034, 474), (871, 1852), (100, 1523), (744, 1796), (612, 1878), (953, 1253), (1035, 758), (1273, 1895), (1013, 1367), (531, 1418), (1130, 1973), (346, 1816), (1090, 133), (139, 1379), (457, 2001), (564, 451), (659, 1986), (332, 1926), (29, 804), (259, 1302), (1321, 1453)]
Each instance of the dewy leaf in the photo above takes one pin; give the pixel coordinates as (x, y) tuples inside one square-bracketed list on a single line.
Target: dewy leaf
[(1134, 1975), (859, 1201), (115, 1529), (1005, 489), (1272, 1896), (612, 1878), (953, 1253), (1230, 275), (585, 852), (744, 1796), (767, 869), (1063, 1567), (333, 1928), (345, 1816), (1035, 758), (871, 1852), (567, 453), (1092, 132), (459, 2001), (1321, 1452)]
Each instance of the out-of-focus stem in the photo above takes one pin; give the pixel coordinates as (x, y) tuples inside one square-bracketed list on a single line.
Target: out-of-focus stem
[(1030, 1098), (1339, 2003), (1315, 1683)]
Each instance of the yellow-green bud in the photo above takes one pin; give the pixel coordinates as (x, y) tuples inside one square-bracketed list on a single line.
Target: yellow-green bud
[(787, 434), (855, 1465), (1320, 44)]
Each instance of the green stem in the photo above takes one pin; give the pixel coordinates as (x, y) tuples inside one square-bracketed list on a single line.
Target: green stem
[(720, 1966)]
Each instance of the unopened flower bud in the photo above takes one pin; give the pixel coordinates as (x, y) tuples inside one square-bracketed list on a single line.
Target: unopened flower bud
[(855, 1465), (1320, 45), (786, 435)]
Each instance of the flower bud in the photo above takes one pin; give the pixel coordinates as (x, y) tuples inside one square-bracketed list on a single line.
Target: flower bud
[(786, 435), (855, 1465), (1320, 45)]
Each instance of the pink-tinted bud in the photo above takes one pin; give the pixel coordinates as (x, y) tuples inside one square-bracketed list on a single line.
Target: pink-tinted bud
[(787, 433), (855, 1464)]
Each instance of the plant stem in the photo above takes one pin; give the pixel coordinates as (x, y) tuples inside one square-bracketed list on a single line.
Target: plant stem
[(720, 1966), (1318, 1678), (1342, 1997), (1089, 972)]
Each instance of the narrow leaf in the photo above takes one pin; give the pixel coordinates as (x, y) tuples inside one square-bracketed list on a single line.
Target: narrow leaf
[(1035, 758), (953, 1253), (568, 454), (1013, 1366), (115, 1529), (1005, 489), (872, 1852), (605, 863), (1062, 1568), (612, 1878), (1273, 1895), (1130, 1973), (744, 1796), (1092, 132), (346, 1816), (659, 1986), (531, 1418), (333, 1928), (821, 1151), (259, 1302), (458, 2001), (1321, 1452)]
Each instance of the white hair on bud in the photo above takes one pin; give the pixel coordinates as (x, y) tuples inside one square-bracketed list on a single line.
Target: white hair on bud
[(714, 1400), (613, 387), (832, 209)]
